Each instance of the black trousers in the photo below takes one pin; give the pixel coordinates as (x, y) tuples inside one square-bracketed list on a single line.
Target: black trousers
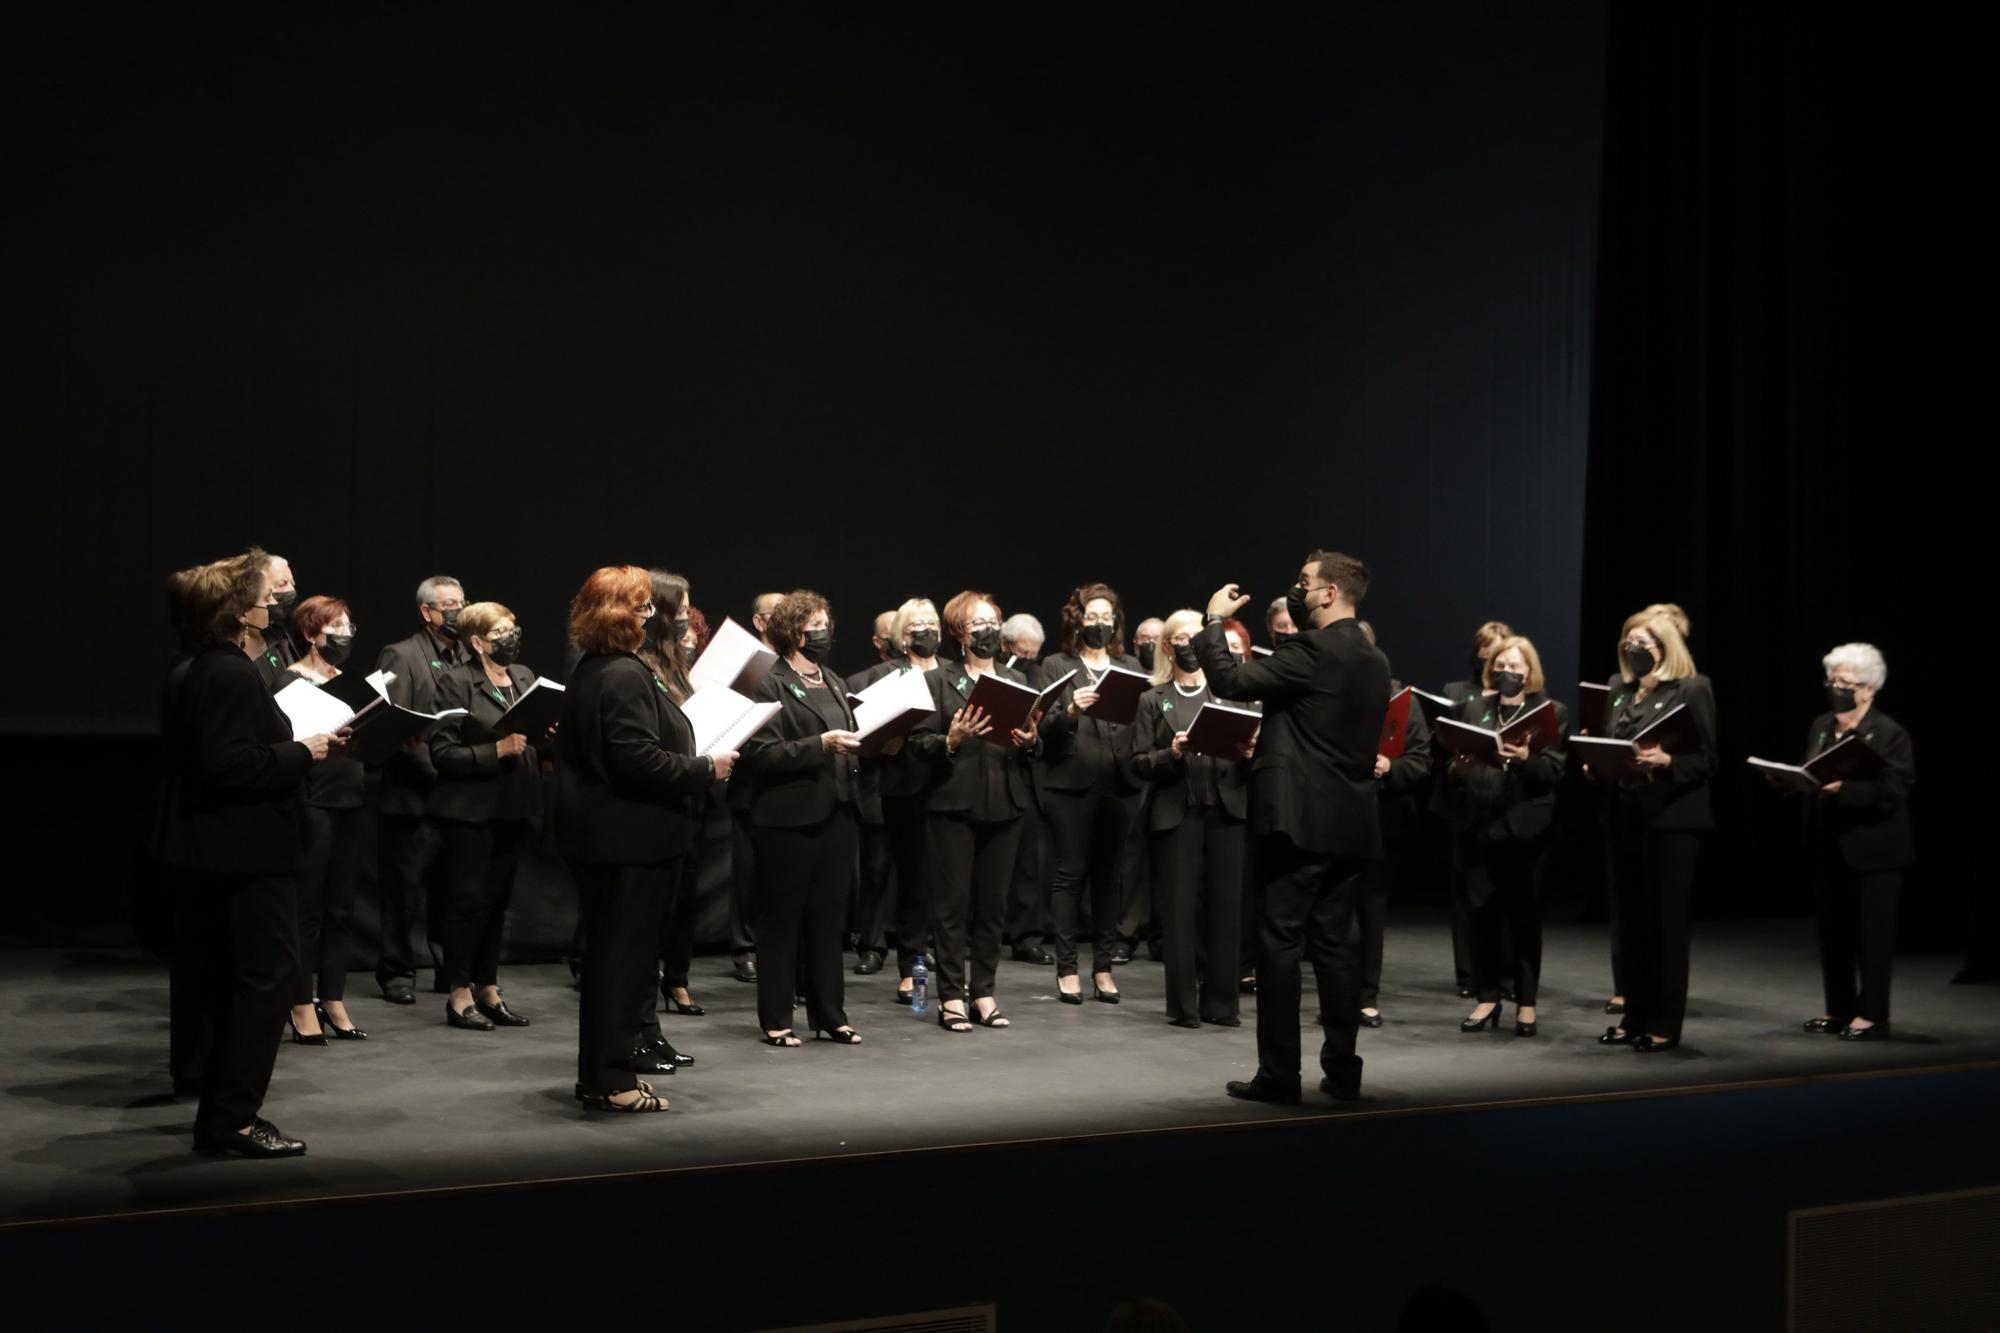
[(677, 930), (1503, 882), (1371, 913), (868, 918), (479, 864), (622, 907), (1089, 836), (1857, 934), (802, 879), (1198, 896), (327, 882), (1651, 887), (408, 853), (236, 957), (971, 864), (908, 827), (743, 906), (1139, 914), (1308, 913), (1030, 918)]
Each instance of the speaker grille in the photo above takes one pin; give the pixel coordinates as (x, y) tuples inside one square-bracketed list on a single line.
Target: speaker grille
[(970, 1319), (1914, 1265)]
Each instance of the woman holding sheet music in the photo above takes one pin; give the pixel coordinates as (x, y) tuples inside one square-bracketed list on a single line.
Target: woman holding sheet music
[(1502, 808), (918, 631), (488, 789), (332, 864), (978, 789), (1091, 796), (1659, 811), (1194, 812), (805, 781)]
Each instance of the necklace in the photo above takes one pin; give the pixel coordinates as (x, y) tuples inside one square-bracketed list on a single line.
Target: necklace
[(1187, 693)]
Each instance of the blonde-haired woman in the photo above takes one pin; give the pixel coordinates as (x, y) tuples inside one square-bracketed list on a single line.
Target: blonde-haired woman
[(916, 632), (1193, 814), (1656, 825)]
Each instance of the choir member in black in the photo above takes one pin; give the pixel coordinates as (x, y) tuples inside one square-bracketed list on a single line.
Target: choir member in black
[(805, 778), (1194, 815), (978, 792), (1278, 622), (743, 907), (280, 649), (1500, 820), (235, 849), (1656, 827), (332, 864), (1146, 642), (868, 915), (628, 783), (407, 839), (679, 961), (1088, 787), (1396, 781), (1858, 845), (1313, 811), (1485, 640), (1030, 918)]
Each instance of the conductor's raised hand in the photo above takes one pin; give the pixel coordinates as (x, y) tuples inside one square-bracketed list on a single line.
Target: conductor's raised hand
[(723, 762), (1228, 600)]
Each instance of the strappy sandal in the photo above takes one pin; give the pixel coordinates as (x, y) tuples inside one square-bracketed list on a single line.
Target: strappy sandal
[(951, 1022), (787, 1039), (992, 1019), (583, 1096), (647, 1101), (839, 1036)]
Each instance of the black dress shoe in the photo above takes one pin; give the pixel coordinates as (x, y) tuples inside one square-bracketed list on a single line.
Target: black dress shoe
[(660, 1046), (1874, 1032), (1184, 1022), (306, 1038), (1121, 953), (1374, 1020), (398, 990), (746, 969), (903, 997), (1491, 1020), (1647, 1045), (337, 1032), (1230, 1022), (262, 1140), (1104, 996), (1524, 1029), (1346, 1090), (870, 964), (1037, 955), (1613, 1007), (1069, 997), (1825, 1024), (499, 1014), (651, 1062), (471, 1020), (1613, 1037), (1259, 1090)]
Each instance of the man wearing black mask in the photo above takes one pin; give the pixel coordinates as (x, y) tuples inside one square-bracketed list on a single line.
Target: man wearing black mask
[(1030, 918), (1312, 811), (280, 650), (1278, 621), (1146, 641), (407, 839)]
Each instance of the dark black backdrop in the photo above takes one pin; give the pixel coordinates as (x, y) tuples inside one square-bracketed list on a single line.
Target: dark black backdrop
[(878, 302)]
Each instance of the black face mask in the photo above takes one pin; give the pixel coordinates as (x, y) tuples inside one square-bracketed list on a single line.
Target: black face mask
[(1509, 683), (680, 630), (1840, 698), (1279, 636), (505, 650), (281, 608), (983, 643), (1096, 636), (336, 649), (1639, 661), (1186, 658), (818, 645), (923, 643), (1148, 653), (1295, 607), (447, 624)]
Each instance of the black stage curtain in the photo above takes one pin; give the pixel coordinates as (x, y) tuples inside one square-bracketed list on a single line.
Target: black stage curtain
[(1773, 209)]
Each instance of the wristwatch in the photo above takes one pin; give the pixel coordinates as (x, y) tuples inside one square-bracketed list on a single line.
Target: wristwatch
[(1211, 619)]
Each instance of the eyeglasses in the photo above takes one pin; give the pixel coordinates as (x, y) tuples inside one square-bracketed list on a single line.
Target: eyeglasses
[(984, 624), (1100, 620), (644, 609)]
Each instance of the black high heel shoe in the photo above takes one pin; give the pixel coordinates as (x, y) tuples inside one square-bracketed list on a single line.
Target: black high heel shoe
[(1102, 996), (1374, 1020), (333, 1029), (951, 1022), (838, 1036), (1873, 1032), (691, 1009), (1613, 1007), (1069, 997), (1523, 1029), (315, 1039), (1825, 1024), (1492, 1020), (1616, 1037), (1648, 1044)]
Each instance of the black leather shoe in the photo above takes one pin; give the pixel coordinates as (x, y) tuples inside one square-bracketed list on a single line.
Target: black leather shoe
[(870, 964), (1825, 1024), (471, 1020), (1121, 953), (1184, 1022), (1524, 1029), (1258, 1090), (337, 1032), (1647, 1045), (303, 1038), (1231, 1022), (1105, 996), (1613, 1007), (691, 1009), (1875, 1032), (398, 990), (1346, 1090), (1491, 1020), (1374, 1020), (1037, 955), (746, 969), (903, 997), (1613, 1037), (263, 1140), (651, 1062), (499, 1015), (663, 1048), (1069, 997)]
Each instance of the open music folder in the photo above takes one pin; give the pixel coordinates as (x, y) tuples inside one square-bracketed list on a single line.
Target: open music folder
[(735, 659), (723, 719), (1118, 691), (534, 712), (1011, 706), (891, 708), (1850, 757), (1536, 728), (1221, 731), (1611, 759)]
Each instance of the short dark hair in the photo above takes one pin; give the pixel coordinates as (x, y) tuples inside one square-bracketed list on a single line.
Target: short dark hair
[(1344, 572), (786, 624)]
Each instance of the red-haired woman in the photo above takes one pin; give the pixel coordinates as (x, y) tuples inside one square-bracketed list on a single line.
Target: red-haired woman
[(806, 786), (627, 785), (1090, 793), (333, 842)]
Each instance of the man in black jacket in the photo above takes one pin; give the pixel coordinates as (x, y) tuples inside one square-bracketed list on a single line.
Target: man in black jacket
[(407, 839), (1313, 811)]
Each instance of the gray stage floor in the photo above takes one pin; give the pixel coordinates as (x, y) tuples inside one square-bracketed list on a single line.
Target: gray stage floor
[(88, 1129)]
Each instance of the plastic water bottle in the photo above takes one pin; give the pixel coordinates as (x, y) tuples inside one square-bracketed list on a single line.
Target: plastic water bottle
[(920, 987)]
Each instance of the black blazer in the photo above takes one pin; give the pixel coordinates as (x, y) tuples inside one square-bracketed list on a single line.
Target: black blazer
[(958, 784), (1324, 693), (1486, 804), (794, 781), (867, 676), (1676, 801), (1077, 752), (1868, 819), (418, 667), (1170, 789), (474, 784), (238, 777), (628, 783)]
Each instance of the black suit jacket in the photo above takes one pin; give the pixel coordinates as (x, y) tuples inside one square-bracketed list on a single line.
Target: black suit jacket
[(418, 667), (1077, 752), (1490, 804), (1676, 800), (474, 783), (1171, 782), (628, 783), (237, 775), (1868, 819), (958, 784), (794, 780), (1324, 693)]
